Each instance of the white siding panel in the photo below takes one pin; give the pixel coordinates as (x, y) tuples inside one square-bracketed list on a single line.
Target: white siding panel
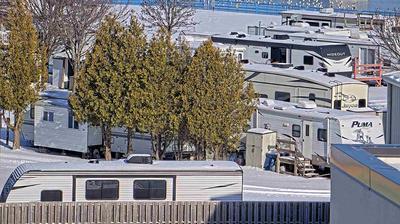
[(394, 115), (94, 136), (29, 187), (205, 188)]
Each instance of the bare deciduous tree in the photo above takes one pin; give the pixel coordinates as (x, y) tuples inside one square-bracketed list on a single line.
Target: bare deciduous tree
[(3, 9), (81, 20), (388, 36), (168, 15), (47, 17)]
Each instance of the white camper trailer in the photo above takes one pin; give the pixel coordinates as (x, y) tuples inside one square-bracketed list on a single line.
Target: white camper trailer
[(314, 128), (293, 85), (55, 126), (125, 180), (361, 47), (141, 142), (335, 58)]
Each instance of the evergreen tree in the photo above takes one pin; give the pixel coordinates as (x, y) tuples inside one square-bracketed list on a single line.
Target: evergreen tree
[(22, 65), (136, 96), (217, 103), (165, 65), (99, 94)]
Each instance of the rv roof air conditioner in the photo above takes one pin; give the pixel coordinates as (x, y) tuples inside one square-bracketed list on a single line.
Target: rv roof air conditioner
[(277, 107), (241, 35), (306, 104), (330, 74), (139, 159), (233, 33), (322, 70), (280, 37), (267, 102)]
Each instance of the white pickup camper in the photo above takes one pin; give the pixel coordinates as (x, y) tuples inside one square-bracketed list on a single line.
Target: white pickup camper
[(315, 128), (135, 179)]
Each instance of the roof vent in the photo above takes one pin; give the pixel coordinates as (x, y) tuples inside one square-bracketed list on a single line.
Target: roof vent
[(234, 33), (139, 159), (267, 102), (241, 35), (305, 104), (280, 37), (308, 39), (330, 74), (322, 70), (279, 107), (300, 67), (93, 161)]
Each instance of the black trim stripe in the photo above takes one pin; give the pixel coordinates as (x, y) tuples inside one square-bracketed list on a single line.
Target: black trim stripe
[(20, 187), (219, 186)]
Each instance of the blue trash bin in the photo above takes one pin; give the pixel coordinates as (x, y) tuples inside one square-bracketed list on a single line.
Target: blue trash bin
[(269, 161)]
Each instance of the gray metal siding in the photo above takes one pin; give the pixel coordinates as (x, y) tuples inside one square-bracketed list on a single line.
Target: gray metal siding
[(393, 123)]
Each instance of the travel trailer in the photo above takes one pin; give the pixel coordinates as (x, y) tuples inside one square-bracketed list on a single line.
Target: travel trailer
[(329, 18), (50, 124), (293, 85), (365, 49), (314, 128), (335, 58), (137, 178)]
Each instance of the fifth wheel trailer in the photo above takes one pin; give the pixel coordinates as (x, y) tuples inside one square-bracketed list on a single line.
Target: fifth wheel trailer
[(125, 180), (293, 85)]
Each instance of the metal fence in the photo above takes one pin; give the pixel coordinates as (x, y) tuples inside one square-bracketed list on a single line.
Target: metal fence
[(264, 7), (166, 212)]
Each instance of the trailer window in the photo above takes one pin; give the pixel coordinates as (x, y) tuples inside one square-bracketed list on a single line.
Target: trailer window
[(322, 135), (307, 130), (48, 116), (51, 195), (308, 60), (362, 103), (283, 96), (149, 189), (296, 130), (72, 123), (264, 54), (337, 104), (102, 190), (32, 112), (311, 97)]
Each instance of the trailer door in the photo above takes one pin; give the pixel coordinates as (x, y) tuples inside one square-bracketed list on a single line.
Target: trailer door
[(307, 139)]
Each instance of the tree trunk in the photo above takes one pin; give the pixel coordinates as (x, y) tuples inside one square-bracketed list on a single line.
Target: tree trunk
[(17, 129), (129, 147), (158, 147), (107, 143)]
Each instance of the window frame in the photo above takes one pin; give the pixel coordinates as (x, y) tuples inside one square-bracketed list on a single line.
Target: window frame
[(72, 123), (116, 197), (47, 191), (296, 133), (150, 189), (264, 55)]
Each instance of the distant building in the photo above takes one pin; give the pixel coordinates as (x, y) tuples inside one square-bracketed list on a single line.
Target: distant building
[(365, 184), (393, 108)]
